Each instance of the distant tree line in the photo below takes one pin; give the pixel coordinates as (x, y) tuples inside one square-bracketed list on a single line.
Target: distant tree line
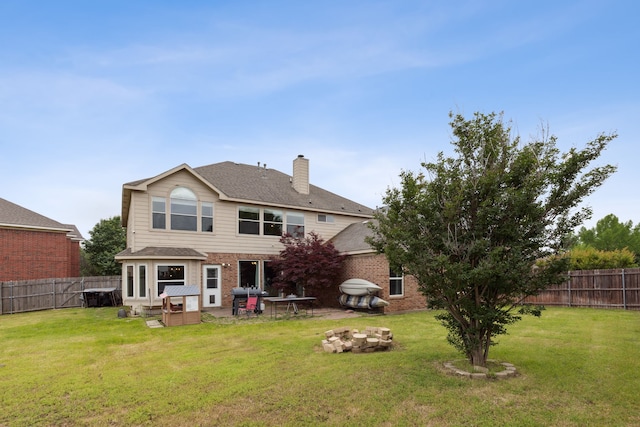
[(610, 244)]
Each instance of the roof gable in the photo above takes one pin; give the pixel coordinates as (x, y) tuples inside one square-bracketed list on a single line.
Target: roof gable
[(161, 253)]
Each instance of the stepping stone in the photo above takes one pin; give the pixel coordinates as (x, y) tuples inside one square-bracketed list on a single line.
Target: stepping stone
[(154, 324)]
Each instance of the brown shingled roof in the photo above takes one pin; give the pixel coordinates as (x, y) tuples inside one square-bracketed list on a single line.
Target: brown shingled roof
[(15, 215), (352, 238), (157, 252), (253, 184)]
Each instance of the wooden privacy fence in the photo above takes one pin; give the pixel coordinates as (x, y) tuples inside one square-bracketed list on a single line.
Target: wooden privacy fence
[(44, 294), (616, 288)]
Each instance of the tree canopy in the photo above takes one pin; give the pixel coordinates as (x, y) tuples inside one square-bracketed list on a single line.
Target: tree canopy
[(108, 238), (471, 227), (610, 234)]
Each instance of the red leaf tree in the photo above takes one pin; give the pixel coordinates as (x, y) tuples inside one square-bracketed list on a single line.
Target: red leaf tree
[(306, 265)]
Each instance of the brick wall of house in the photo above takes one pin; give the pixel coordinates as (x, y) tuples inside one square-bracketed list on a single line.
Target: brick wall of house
[(230, 272), (372, 267), (375, 268), (73, 255), (31, 254), (326, 298)]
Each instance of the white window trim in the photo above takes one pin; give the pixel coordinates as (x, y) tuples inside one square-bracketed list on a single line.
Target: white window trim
[(328, 219), (153, 212), (201, 217), (168, 213), (156, 286), (282, 222), (136, 281), (188, 199), (401, 278), (261, 221)]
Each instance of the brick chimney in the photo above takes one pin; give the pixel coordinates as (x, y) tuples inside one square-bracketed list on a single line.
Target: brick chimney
[(301, 175)]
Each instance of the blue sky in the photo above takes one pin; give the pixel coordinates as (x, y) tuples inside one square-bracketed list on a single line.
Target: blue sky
[(96, 94)]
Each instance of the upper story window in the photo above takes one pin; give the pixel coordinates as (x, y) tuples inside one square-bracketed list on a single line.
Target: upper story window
[(272, 223), (184, 210), (248, 220), (207, 217), (295, 224), (325, 218), (159, 212), (269, 222)]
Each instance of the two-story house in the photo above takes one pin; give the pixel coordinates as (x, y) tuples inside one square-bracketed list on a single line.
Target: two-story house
[(216, 226)]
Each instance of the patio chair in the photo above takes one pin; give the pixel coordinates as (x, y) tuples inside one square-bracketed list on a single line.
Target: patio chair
[(250, 307)]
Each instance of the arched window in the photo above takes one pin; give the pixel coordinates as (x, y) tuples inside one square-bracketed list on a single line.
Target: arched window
[(184, 209)]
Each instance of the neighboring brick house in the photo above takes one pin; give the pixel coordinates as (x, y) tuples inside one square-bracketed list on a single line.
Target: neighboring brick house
[(33, 246), (401, 292), (217, 226)]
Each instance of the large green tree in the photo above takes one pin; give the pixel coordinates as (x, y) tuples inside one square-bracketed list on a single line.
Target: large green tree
[(610, 234), (472, 227), (108, 238)]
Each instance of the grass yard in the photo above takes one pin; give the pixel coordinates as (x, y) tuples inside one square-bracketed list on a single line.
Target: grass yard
[(73, 367)]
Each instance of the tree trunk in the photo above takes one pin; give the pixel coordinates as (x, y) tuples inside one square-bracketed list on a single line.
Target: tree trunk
[(478, 356), (478, 346)]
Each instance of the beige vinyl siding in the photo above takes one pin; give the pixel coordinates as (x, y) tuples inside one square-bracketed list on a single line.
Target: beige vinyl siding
[(225, 237), (146, 235), (326, 229), (130, 225)]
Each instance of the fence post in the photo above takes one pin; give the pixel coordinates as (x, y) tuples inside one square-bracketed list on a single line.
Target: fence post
[(569, 289), (53, 284), (624, 291)]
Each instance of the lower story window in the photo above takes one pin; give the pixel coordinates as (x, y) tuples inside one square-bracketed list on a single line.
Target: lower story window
[(267, 279), (142, 281), (249, 274), (130, 285), (136, 285), (170, 275), (395, 283)]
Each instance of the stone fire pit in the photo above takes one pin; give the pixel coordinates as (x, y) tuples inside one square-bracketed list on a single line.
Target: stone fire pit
[(347, 339)]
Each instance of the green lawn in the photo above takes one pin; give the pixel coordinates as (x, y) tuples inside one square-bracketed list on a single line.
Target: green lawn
[(576, 367)]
